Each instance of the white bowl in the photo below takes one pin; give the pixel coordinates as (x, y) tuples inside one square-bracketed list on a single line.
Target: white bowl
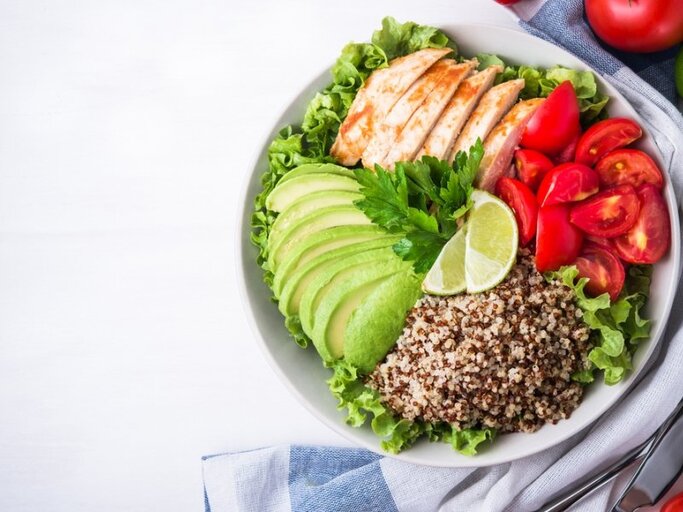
[(302, 370)]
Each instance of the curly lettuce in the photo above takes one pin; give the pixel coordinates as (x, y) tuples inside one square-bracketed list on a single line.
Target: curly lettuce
[(617, 326), (540, 82), (360, 401)]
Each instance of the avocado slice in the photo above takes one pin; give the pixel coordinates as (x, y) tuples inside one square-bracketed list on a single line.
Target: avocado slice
[(318, 243), (311, 203), (296, 284), (372, 329), (344, 295), (332, 275), (324, 218), (295, 188), (317, 168)]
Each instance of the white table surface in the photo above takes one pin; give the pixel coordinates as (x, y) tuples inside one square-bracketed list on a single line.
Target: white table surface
[(126, 128)]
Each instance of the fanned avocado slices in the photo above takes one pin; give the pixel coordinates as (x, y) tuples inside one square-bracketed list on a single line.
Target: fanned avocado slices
[(316, 169), (335, 275), (299, 281), (287, 192), (318, 243), (310, 203), (324, 218)]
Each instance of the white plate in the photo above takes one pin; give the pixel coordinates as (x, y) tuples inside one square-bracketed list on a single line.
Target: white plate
[(302, 371)]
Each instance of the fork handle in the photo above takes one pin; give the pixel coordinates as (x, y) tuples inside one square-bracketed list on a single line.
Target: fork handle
[(567, 497)]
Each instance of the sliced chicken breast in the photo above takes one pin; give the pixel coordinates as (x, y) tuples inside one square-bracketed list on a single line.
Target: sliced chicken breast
[(493, 105), (501, 143), (442, 137), (414, 133), (374, 100), (390, 128)]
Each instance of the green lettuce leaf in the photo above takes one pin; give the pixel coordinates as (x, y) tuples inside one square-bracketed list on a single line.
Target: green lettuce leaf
[(541, 82), (487, 60), (617, 326), (362, 403), (397, 39), (294, 327), (583, 81), (466, 441)]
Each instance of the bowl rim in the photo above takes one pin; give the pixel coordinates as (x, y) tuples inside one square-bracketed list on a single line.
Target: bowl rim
[(245, 207)]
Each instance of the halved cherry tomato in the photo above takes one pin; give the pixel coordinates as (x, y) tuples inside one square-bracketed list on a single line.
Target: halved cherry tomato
[(649, 238), (522, 201), (603, 269), (567, 182), (605, 136), (630, 166), (567, 154), (598, 240), (558, 241), (675, 504), (610, 213), (531, 167), (555, 122)]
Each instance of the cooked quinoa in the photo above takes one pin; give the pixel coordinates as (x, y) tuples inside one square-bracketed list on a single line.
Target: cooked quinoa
[(501, 359)]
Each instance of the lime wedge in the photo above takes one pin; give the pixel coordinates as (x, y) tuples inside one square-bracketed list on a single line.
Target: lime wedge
[(491, 242), (447, 275)]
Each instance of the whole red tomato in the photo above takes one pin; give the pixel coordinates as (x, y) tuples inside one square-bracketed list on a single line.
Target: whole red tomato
[(507, 2), (637, 25), (675, 504)]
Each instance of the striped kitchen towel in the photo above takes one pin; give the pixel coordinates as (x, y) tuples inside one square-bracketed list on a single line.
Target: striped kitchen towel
[(325, 479)]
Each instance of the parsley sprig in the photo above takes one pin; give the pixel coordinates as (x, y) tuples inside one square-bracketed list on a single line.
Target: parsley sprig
[(423, 199)]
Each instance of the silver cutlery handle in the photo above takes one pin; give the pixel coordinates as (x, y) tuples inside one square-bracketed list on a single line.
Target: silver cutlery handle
[(566, 498)]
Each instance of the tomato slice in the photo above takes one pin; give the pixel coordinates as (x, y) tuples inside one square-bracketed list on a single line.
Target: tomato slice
[(531, 167), (555, 122), (558, 241), (649, 238), (567, 182), (630, 166), (610, 213), (603, 269), (675, 504), (522, 201), (569, 152), (598, 240), (605, 136)]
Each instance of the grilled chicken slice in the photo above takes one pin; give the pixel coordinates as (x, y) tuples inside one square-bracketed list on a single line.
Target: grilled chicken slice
[(443, 135), (390, 128), (374, 100), (414, 133), (493, 105), (500, 145)]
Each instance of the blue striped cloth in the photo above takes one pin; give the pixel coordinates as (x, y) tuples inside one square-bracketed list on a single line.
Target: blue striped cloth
[(325, 479)]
